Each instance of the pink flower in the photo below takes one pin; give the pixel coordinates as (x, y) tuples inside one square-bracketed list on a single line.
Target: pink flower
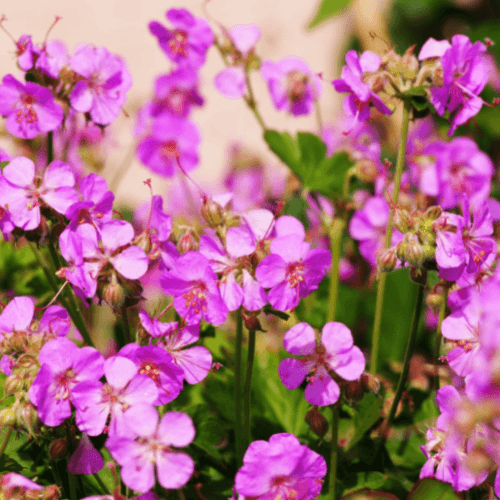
[(335, 352)]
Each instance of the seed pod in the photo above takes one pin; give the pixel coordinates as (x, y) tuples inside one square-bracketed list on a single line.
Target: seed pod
[(212, 212), (317, 422)]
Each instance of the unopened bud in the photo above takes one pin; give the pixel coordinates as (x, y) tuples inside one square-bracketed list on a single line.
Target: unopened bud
[(418, 275), (114, 294), (409, 64), (367, 171), (187, 242), (12, 384), (317, 422), (143, 241), (7, 417), (251, 320), (370, 383), (58, 449), (387, 260), (433, 213), (51, 492), (400, 220), (413, 253), (354, 391), (392, 62), (434, 300), (32, 495), (212, 212), (27, 416)]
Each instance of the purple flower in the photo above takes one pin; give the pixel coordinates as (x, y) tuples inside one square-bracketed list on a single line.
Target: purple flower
[(63, 366), (360, 79), (158, 365), (194, 285), (173, 139), (187, 43), (30, 109), (368, 226), (11, 482), (464, 77), (24, 193), (280, 468), (104, 83), (25, 52), (292, 270), (335, 352), (95, 402), (433, 48), (52, 58), (154, 449), (176, 93), (292, 84), (463, 169), (86, 459)]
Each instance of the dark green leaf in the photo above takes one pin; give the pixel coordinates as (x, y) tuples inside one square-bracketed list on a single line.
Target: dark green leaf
[(368, 412), (420, 91), (420, 103), (207, 331), (3, 164), (284, 147), (326, 9), (428, 488), (280, 314)]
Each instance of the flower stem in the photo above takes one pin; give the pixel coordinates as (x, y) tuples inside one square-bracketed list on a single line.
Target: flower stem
[(72, 486), (406, 363), (388, 237), (251, 103), (50, 147), (6, 439), (103, 487), (336, 233), (247, 395), (334, 452), (126, 325), (238, 426), (442, 312), (68, 301)]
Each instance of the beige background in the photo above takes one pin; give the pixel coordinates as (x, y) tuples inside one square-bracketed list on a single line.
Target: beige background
[(121, 26)]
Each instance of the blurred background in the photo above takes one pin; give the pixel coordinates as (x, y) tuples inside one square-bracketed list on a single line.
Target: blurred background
[(319, 32)]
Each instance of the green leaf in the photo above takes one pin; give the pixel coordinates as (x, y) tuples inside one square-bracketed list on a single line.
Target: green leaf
[(369, 410), (432, 488), (306, 157), (268, 309), (3, 164), (420, 103), (326, 9), (420, 91)]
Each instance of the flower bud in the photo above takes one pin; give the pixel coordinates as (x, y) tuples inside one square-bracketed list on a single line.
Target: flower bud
[(187, 242), (27, 416), (354, 391), (12, 384), (392, 62), (51, 492), (32, 495), (418, 275), (367, 171), (370, 383), (317, 422), (387, 260), (434, 300), (433, 213), (251, 320), (413, 253), (7, 417), (212, 212), (18, 341), (58, 449), (143, 241), (401, 220), (114, 294), (409, 64)]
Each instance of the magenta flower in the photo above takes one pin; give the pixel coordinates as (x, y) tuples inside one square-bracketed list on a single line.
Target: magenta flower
[(173, 139), (280, 468), (194, 285), (368, 226), (95, 402), (335, 352), (464, 77), (292, 270), (359, 78), (24, 193), (154, 449), (11, 482), (86, 459), (30, 109), (292, 84), (159, 366), (463, 169), (25, 52), (187, 43), (52, 58), (101, 91), (63, 366), (176, 93)]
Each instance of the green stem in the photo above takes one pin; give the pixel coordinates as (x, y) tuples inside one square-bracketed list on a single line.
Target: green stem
[(336, 234), (409, 351), (238, 426), (251, 103), (50, 147), (442, 312), (247, 394), (334, 453), (103, 487), (69, 301), (6, 440), (72, 486), (388, 236), (126, 325)]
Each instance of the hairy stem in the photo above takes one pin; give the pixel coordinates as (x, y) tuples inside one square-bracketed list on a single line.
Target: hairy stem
[(247, 395), (126, 325), (238, 425), (6, 439), (388, 236), (442, 312), (334, 452), (336, 233)]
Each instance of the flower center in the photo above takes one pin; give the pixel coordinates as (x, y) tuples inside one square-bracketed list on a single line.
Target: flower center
[(150, 369), (295, 273), (296, 85), (178, 43), (65, 381), (282, 488), (196, 297), (169, 150), (25, 111)]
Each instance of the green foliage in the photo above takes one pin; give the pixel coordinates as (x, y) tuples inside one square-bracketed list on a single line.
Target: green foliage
[(306, 157), (327, 9), (368, 412), (3, 164), (427, 489)]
